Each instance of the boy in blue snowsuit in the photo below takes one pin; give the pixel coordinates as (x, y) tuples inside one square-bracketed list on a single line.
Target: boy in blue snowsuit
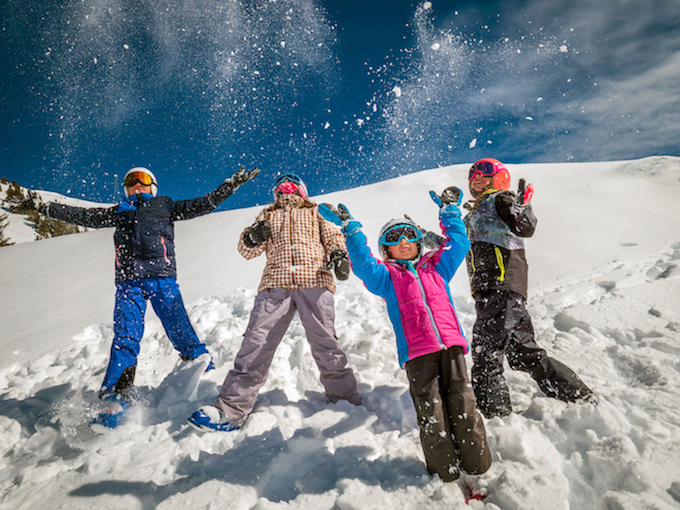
[(145, 268), (430, 342)]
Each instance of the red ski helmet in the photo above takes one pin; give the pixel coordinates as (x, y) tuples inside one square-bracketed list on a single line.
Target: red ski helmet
[(490, 167)]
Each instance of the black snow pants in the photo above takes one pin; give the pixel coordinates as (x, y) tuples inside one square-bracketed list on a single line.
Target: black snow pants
[(452, 432), (503, 329)]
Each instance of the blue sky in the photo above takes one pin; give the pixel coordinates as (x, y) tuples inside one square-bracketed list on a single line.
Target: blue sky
[(342, 92)]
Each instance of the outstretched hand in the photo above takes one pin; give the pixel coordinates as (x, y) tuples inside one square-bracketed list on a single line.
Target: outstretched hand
[(241, 176), (335, 215), (523, 197), (451, 195), (341, 217)]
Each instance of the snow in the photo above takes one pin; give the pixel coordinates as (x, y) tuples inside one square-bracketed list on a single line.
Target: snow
[(604, 281)]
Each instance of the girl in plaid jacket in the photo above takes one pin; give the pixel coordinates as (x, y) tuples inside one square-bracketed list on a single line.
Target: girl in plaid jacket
[(299, 245)]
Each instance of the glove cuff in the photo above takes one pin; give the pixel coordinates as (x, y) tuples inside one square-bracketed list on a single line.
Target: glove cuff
[(449, 211), (351, 227)]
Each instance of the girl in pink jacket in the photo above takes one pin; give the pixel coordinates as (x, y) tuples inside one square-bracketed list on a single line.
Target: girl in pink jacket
[(430, 341)]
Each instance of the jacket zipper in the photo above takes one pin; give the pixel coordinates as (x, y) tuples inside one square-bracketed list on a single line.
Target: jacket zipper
[(477, 202)]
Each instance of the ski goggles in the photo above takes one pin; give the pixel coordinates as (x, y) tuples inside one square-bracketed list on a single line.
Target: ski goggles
[(483, 168), (394, 235), (138, 177), (290, 183)]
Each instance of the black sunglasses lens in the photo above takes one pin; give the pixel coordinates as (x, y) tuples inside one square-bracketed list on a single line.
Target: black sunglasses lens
[(394, 235)]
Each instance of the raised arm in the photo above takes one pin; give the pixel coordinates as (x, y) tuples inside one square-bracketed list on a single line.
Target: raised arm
[(452, 253), (91, 217), (515, 210), (192, 208), (368, 269)]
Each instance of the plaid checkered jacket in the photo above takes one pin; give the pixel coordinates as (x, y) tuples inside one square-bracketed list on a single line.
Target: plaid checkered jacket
[(299, 247)]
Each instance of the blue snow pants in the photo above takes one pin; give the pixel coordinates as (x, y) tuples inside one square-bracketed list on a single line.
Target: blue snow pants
[(128, 327)]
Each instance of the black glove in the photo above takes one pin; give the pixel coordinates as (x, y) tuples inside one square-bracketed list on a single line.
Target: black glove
[(451, 195), (257, 234), (241, 176), (233, 182), (340, 262), (523, 197)]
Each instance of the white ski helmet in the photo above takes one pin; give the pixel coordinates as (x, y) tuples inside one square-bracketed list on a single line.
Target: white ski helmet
[(141, 170), (399, 222)]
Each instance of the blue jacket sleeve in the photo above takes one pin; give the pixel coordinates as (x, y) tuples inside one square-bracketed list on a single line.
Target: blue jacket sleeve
[(457, 244), (370, 270)]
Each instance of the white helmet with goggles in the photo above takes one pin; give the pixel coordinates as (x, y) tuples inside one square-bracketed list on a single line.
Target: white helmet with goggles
[(141, 175), (394, 230)]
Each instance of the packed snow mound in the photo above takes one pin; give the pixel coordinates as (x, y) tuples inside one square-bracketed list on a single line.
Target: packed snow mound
[(609, 316)]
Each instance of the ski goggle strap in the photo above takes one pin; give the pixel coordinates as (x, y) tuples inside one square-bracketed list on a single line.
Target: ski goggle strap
[(138, 177), (484, 168), (288, 177), (393, 235)]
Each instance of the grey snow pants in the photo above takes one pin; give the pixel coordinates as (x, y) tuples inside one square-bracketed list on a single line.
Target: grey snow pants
[(272, 314)]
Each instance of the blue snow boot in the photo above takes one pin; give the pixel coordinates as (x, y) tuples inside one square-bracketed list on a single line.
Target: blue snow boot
[(209, 418), (113, 415)]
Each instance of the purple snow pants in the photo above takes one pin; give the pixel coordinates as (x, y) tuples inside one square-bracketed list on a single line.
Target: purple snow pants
[(272, 313)]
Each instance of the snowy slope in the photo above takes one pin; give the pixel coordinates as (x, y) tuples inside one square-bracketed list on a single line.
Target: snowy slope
[(604, 280)]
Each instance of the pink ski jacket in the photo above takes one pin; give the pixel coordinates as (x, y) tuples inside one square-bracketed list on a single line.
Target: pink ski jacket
[(418, 297)]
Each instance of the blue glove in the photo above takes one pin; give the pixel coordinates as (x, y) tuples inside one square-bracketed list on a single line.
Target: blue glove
[(336, 216), (451, 195), (340, 217)]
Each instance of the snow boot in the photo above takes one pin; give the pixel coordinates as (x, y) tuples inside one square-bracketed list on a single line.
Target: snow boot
[(472, 487), (209, 418), (114, 414)]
